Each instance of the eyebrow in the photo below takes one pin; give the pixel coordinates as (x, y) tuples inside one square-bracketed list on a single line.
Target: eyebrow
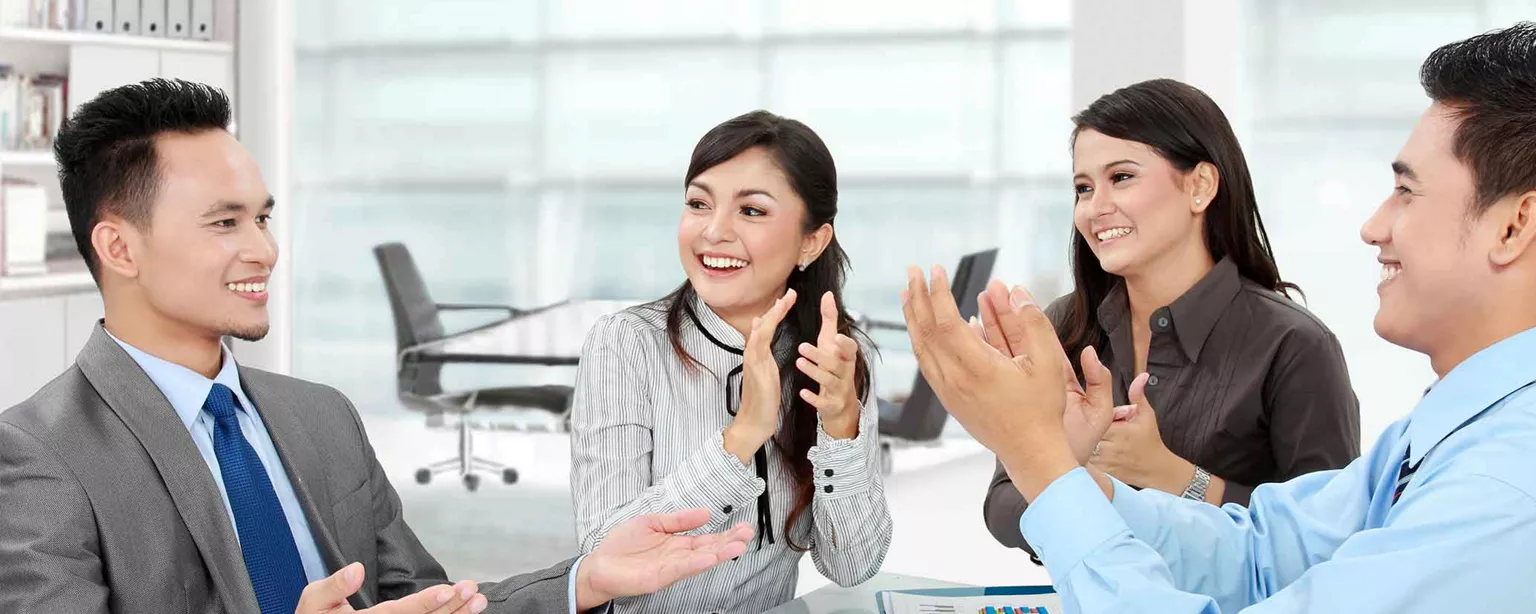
[(225, 207), (1401, 168), (742, 193), (1109, 166)]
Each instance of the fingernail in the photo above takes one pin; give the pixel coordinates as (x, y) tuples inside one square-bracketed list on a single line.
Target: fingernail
[(444, 595), (466, 592), (1019, 297), (478, 606), (975, 321), (352, 572)]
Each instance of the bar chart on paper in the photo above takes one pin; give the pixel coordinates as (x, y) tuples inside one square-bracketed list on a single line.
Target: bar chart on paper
[(956, 601)]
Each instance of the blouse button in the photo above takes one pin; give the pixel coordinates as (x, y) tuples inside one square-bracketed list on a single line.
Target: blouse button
[(1162, 322), (829, 473), (1152, 380), (727, 509), (828, 489)]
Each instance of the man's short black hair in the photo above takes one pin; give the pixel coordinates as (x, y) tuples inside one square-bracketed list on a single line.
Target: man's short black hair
[(1489, 83), (106, 151)]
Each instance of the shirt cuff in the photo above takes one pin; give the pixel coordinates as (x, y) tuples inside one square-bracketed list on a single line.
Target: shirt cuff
[(1138, 508), (840, 467), (572, 592), (1069, 520), (716, 481)]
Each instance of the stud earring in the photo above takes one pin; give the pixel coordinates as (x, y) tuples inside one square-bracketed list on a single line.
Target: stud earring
[(803, 264)]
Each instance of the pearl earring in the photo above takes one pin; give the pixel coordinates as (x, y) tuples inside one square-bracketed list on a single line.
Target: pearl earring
[(803, 265)]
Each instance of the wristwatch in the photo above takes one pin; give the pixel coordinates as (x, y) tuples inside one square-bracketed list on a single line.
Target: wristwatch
[(1198, 484)]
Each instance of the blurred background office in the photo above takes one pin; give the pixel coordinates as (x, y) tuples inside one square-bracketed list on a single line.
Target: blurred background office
[(531, 152)]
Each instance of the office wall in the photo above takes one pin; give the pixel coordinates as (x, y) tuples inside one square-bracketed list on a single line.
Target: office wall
[(529, 152)]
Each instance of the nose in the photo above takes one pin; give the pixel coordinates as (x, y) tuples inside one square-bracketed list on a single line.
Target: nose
[(721, 227), (1377, 229), (260, 247)]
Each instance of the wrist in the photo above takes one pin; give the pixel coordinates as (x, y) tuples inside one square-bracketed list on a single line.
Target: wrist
[(742, 442), (588, 597), (845, 425), (1034, 468), (1179, 474)]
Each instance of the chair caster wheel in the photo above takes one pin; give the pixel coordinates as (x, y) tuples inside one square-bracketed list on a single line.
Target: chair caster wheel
[(471, 482), (423, 476), (509, 476)]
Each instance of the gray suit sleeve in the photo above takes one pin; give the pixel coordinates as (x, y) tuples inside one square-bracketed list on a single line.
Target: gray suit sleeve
[(49, 556)]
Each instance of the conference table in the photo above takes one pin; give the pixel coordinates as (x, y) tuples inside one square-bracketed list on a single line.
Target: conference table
[(550, 336), (834, 599)]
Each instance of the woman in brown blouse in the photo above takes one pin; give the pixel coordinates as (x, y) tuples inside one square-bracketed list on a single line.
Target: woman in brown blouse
[(1175, 279)]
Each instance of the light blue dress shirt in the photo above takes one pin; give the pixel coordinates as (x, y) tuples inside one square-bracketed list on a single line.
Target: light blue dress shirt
[(187, 390), (1461, 539)]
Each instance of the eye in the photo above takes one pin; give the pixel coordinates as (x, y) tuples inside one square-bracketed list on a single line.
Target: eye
[(1119, 177), (751, 211), (695, 203), (263, 219), (225, 223), (1403, 192), (1082, 189)]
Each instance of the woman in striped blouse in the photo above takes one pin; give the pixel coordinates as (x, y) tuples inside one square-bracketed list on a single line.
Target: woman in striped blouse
[(743, 391)]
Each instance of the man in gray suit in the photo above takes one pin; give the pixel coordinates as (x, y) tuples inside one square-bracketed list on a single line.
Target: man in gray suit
[(156, 475)]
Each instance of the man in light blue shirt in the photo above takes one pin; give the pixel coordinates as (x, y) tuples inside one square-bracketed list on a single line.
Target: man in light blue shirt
[(1439, 517)]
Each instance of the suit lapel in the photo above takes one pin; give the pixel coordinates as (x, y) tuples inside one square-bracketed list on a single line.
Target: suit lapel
[(301, 458), (133, 397)]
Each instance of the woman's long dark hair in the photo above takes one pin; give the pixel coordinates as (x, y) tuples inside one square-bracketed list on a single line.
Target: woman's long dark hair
[(1185, 127), (805, 161)]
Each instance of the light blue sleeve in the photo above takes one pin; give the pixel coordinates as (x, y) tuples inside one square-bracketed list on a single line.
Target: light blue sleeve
[(1435, 552)]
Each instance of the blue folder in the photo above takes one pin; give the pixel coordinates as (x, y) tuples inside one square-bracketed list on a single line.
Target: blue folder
[(967, 591)]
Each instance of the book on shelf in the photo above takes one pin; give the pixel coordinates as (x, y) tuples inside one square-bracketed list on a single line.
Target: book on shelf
[(44, 14), (32, 107), (23, 228)]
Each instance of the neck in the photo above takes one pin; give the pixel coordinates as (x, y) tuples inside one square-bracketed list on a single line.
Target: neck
[(135, 324), (1163, 281), (1491, 328), (741, 318)]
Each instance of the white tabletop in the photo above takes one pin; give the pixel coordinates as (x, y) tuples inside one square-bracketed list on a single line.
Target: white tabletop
[(834, 599)]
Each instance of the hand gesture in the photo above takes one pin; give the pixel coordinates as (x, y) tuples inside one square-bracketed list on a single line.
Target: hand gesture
[(757, 419), (646, 554), (831, 364), (329, 596)]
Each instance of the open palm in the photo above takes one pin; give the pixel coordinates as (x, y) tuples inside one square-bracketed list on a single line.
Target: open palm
[(649, 553)]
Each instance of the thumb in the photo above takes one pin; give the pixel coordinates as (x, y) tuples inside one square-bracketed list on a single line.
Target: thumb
[(1138, 394), (331, 593), (1100, 388)]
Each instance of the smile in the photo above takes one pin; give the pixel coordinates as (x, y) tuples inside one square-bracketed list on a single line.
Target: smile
[(1112, 233)]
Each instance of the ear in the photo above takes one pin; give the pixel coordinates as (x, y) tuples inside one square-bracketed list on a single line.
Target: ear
[(115, 240), (1204, 182), (815, 243), (1516, 228)]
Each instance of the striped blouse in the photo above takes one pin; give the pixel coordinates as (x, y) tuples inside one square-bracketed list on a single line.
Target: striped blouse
[(646, 437)]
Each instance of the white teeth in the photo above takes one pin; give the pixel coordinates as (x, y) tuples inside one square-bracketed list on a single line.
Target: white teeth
[(716, 262), (1389, 271), (255, 287), (1112, 233)]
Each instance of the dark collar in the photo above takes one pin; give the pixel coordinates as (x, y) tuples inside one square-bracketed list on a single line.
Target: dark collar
[(1194, 314)]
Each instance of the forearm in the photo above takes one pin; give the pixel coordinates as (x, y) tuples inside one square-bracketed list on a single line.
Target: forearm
[(852, 520), (1002, 508)]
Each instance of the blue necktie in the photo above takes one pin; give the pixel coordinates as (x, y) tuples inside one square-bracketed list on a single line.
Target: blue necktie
[(271, 557)]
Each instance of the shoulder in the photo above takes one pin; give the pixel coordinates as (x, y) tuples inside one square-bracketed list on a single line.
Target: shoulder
[(56, 409), (1275, 315), (1497, 446), (1059, 310), (629, 326)]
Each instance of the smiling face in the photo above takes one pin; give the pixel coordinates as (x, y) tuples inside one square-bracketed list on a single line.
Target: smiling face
[(1436, 276), (1132, 207), (742, 233), (201, 266)]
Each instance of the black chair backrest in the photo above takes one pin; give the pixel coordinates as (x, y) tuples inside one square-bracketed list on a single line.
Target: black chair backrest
[(922, 416), (416, 317)]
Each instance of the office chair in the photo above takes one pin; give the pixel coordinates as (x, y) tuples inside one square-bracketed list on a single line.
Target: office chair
[(418, 382), (921, 417)]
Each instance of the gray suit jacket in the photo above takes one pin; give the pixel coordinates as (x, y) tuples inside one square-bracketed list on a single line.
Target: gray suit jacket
[(106, 505)]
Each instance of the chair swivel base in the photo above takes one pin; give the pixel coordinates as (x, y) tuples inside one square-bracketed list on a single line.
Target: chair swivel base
[(466, 464)]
